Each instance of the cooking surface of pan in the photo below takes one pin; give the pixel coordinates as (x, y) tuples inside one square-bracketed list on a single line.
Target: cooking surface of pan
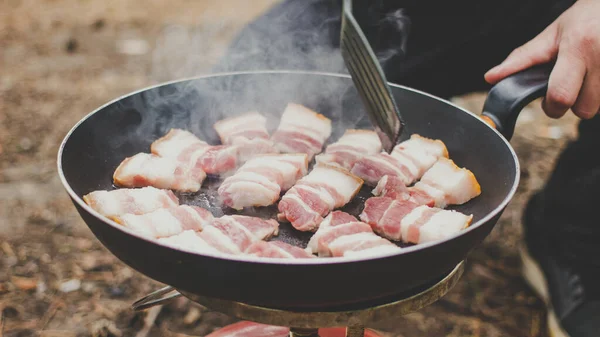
[(122, 128)]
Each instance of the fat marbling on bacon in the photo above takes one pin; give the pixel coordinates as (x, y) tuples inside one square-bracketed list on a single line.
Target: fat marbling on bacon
[(447, 184), (341, 234), (260, 180), (188, 149), (130, 200), (229, 234), (352, 146), (166, 222), (301, 130), (144, 169), (277, 249), (324, 189), (409, 160), (248, 131), (405, 220)]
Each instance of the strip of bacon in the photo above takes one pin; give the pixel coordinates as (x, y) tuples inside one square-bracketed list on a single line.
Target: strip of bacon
[(324, 189), (260, 181), (334, 218), (361, 244), (426, 224), (277, 249), (166, 222), (229, 234), (144, 169), (393, 187), (352, 146), (301, 130), (191, 151), (447, 184), (408, 161), (247, 131), (384, 215), (130, 201), (405, 220)]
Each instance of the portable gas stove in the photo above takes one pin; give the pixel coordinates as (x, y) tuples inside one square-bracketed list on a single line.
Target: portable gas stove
[(310, 324)]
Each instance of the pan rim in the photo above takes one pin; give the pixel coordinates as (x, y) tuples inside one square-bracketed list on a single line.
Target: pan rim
[(283, 261)]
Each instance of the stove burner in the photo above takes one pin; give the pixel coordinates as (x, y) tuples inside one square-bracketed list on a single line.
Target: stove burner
[(251, 329), (307, 324)]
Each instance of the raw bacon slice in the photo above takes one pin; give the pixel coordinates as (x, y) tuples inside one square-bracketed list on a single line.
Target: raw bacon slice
[(393, 187), (324, 189), (361, 244), (352, 146), (277, 249), (334, 218), (408, 161), (426, 224), (130, 201), (384, 214), (405, 220), (166, 222), (301, 130), (447, 184), (144, 169), (260, 181), (229, 234), (248, 131), (190, 240), (191, 151)]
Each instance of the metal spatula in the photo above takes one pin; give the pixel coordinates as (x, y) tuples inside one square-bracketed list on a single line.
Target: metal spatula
[(369, 79)]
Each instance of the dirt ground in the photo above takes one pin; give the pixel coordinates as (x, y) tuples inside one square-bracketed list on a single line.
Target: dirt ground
[(61, 59)]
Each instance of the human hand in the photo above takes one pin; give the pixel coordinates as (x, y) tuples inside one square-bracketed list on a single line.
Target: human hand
[(573, 42)]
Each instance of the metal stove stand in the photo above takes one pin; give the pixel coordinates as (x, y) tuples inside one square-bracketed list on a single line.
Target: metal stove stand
[(306, 324)]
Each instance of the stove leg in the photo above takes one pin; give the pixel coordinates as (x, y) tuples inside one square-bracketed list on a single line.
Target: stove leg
[(355, 331), (297, 332)]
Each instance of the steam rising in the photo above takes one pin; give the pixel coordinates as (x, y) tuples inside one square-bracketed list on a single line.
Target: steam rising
[(303, 36)]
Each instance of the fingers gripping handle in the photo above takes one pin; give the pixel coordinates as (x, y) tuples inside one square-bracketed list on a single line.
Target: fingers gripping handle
[(508, 97)]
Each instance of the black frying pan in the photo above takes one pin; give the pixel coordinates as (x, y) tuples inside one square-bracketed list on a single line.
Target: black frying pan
[(92, 150)]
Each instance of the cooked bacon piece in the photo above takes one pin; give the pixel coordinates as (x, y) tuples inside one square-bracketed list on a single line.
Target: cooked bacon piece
[(130, 201), (409, 161), (167, 221), (190, 240), (426, 224), (324, 189), (301, 130), (336, 232), (277, 249), (144, 169), (393, 187), (251, 329), (384, 214), (191, 151), (363, 244), (404, 220), (447, 184), (334, 218), (230, 234), (260, 181), (353, 145), (248, 131), (372, 168)]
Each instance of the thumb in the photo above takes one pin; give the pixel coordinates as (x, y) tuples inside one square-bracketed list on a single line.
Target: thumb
[(542, 49)]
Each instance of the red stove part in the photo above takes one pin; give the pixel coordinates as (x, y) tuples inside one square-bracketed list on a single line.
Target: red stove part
[(251, 329)]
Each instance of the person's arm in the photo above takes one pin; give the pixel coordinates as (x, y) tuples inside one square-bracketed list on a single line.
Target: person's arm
[(573, 42)]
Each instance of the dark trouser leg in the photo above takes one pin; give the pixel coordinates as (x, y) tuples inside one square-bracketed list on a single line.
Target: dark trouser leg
[(450, 46), (567, 206)]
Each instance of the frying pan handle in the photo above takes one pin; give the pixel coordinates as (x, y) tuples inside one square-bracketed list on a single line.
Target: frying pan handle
[(508, 97)]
